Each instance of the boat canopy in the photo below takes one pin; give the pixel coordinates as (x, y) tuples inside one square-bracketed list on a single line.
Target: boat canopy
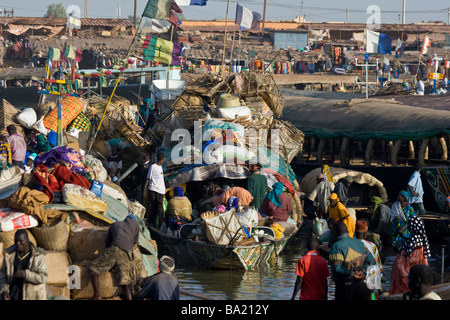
[(382, 119)]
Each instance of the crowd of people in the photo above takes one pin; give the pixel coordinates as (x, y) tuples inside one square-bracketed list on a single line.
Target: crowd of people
[(355, 257), (355, 262)]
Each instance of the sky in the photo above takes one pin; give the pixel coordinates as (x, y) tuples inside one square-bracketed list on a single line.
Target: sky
[(314, 10)]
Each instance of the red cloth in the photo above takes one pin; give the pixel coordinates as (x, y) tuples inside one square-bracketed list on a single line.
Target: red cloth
[(289, 186), (401, 267), (314, 271), (53, 180)]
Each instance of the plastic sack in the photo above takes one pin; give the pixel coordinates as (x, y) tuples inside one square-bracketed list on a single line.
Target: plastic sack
[(27, 118), (11, 219), (95, 168), (77, 196), (249, 217), (213, 125), (234, 112), (223, 153)]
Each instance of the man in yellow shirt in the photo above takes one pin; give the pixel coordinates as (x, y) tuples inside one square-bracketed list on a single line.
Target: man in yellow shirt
[(338, 212)]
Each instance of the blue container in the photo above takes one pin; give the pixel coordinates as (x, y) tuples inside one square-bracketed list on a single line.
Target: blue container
[(96, 188)]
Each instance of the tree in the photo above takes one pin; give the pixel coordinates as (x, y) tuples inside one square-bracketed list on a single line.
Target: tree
[(55, 10)]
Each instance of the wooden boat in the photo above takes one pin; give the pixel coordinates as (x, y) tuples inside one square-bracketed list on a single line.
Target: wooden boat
[(206, 255), (442, 290)]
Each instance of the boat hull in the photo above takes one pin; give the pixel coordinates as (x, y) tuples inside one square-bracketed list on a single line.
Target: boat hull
[(210, 256)]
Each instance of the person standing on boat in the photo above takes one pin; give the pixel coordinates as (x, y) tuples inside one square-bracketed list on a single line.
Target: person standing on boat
[(312, 274), (339, 213), (5, 149), (373, 278), (120, 240), (410, 241), (320, 195), (18, 146), (415, 189), (349, 260), (257, 186), (144, 112), (341, 189), (277, 204), (156, 190)]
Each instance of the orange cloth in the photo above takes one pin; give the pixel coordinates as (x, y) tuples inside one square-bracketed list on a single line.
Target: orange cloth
[(338, 213), (244, 197)]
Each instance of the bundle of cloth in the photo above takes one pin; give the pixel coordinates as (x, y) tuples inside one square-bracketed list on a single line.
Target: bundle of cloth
[(57, 155), (53, 179)]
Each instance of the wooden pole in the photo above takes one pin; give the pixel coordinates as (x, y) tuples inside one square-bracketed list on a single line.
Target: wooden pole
[(225, 38), (264, 17)]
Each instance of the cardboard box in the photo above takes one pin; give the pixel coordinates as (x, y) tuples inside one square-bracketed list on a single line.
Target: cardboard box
[(58, 263)]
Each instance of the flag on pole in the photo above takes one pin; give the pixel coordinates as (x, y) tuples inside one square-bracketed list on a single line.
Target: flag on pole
[(164, 51), (175, 15), (160, 26), (158, 9), (447, 64), (191, 2), (377, 42), (399, 48), (246, 18), (386, 67), (73, 22), (426, 44)]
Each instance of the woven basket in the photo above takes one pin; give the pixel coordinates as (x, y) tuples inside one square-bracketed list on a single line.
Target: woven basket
[(53, 237), (228, 101), (7, 238), (209, 214)]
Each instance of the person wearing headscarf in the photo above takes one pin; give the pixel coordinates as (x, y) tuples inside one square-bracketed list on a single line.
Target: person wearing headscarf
[(410, 241), (380, 217), (339, 213), (341, 189), (30, 163), (162, 285), (5, 149), (144, 111), (179, 209), (320, 195), (277, 204)]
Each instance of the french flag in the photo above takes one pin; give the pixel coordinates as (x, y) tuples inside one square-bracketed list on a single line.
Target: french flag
[(377, 42), (191, 2)]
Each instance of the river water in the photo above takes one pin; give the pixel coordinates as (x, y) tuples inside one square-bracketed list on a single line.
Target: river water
[(276, 283)]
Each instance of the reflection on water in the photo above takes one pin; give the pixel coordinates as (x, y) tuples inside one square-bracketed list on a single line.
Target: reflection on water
[(275, 283)]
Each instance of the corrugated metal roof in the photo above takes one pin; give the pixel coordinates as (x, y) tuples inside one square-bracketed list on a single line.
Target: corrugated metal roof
[(94, 22)]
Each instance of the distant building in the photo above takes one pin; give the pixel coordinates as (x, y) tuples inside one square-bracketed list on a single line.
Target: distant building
[(293, 39)]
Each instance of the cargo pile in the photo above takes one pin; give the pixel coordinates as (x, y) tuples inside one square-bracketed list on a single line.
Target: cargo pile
[(223, 108), (64, 199)]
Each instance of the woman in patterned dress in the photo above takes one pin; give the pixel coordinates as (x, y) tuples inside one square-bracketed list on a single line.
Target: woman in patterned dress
[(411, 243)]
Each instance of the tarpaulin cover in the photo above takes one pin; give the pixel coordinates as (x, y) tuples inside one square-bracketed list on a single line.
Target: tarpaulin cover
[(361, 119)]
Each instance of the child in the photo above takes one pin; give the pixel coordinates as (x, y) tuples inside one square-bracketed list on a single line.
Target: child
[(114, 161), (30, 163)]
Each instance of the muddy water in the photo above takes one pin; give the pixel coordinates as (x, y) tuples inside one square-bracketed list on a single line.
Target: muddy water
[(275, 283)]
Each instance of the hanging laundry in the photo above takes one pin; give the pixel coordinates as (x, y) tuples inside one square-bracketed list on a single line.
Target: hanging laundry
[(54, 54), (70, 52), (78, 55)]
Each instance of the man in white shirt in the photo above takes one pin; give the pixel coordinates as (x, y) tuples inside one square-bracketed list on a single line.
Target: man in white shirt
[(155, 188), (415, 190)]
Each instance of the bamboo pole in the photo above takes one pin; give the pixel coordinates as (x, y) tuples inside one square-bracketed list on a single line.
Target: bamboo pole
[(225, 39)]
